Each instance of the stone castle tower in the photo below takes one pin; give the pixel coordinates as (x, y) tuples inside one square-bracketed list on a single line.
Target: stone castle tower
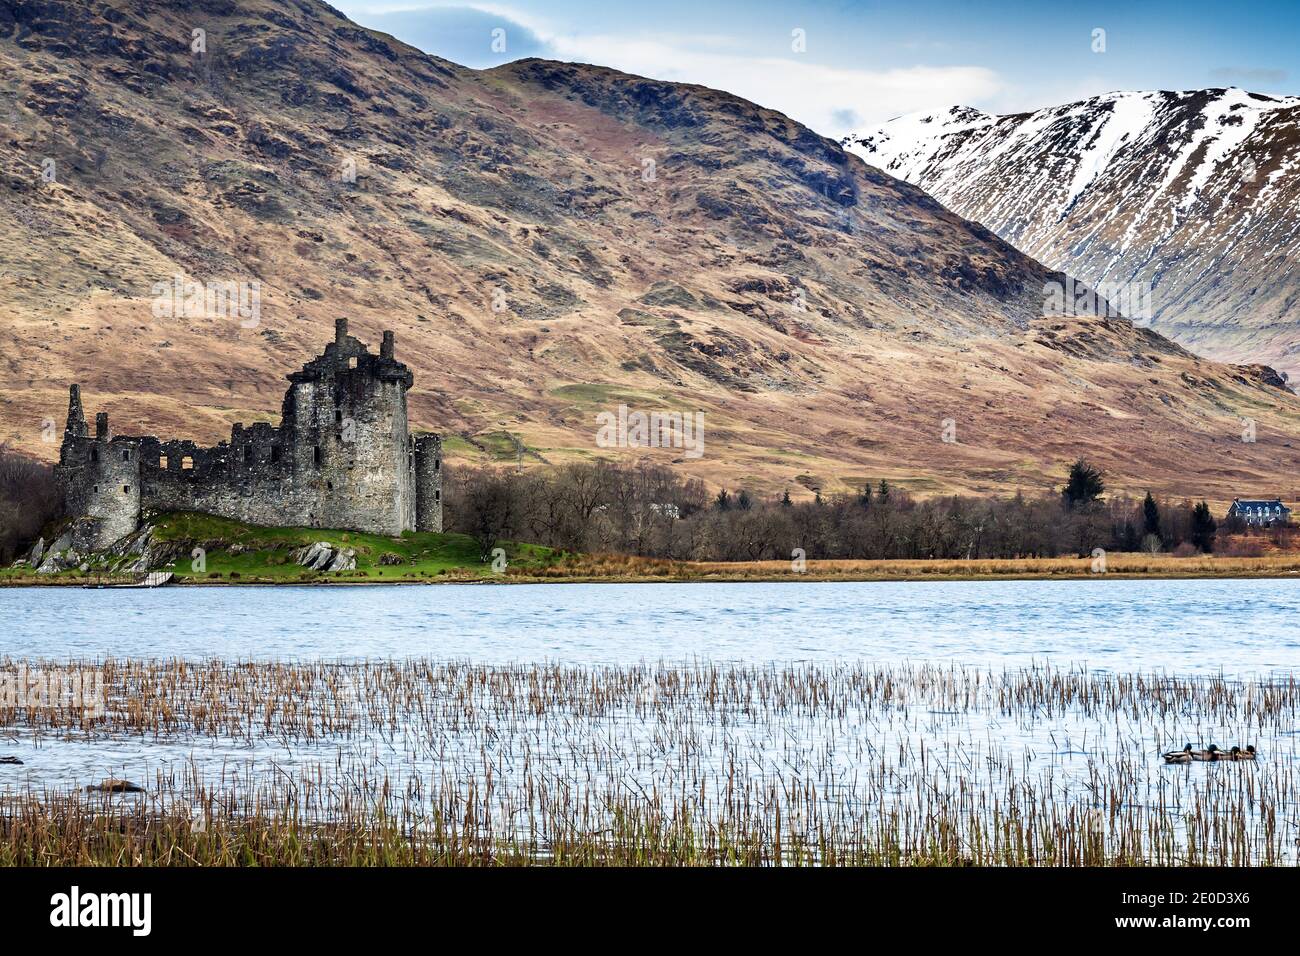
[(343, 456)]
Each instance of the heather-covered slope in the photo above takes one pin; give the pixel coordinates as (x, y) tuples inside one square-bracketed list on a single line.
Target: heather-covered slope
[(548, 241)]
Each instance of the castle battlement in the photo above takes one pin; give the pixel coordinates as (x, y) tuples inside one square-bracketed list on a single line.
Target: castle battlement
[(343, 456)]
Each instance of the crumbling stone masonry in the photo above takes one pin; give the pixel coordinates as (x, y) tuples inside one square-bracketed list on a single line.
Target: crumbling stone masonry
[(343, 456)]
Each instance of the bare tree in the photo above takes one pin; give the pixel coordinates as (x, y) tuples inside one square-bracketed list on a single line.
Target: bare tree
[(647, 510), (491, 509), (29, 501)]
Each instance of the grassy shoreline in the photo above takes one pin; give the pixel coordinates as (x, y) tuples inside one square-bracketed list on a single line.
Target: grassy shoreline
[(628, 570), (205, 551)]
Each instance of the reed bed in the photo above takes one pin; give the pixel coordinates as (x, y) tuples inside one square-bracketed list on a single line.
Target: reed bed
[(425, 762), (1118, 564), (628, 568)]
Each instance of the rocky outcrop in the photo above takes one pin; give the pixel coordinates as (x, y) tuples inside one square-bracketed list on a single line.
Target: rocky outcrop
[(135, 553), (324, 557), (61, 555), (140, 552)]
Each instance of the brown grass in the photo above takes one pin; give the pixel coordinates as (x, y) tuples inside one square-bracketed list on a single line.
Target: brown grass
[(1118, 565), (631, 569)]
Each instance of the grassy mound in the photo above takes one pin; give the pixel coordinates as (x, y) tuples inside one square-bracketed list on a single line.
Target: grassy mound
[(233, 551)]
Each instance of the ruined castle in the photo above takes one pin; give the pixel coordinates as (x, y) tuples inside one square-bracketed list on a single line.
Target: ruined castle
[(343, 456)]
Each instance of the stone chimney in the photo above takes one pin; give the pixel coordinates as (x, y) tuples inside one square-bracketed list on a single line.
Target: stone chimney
[(386, 350), (340, 331), (76, 427), (101, 424)]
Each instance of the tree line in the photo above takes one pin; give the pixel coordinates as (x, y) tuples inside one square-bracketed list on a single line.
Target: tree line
[(649, 511)]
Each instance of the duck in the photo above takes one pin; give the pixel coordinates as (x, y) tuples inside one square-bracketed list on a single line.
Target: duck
[(1179, 756), (1247, 754), (1211, 753), (114, 785)]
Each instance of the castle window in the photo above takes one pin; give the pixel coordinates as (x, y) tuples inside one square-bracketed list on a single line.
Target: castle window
[(94, 454), (162, 462), (316, 455), (97, 489), (329, 486), (437, 464), (187, 463), (126, 455), (437, 496), (352, 362), (126, 489), (275, 453), (338, 416), (248, 453)]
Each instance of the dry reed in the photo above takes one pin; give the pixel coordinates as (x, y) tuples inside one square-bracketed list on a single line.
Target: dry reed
[(428, 762)]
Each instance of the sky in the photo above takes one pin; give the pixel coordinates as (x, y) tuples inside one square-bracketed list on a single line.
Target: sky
[(840, 66)]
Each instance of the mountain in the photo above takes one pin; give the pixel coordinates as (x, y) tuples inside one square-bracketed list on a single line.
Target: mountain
[(548, 241), (1192, 198)]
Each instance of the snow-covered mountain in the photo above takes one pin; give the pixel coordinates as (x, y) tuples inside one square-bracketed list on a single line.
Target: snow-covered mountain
[(1189, 201)]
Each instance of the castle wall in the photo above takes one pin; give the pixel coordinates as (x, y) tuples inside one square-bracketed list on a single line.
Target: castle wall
[(352, 449), (248, 479), (101, 481), (428, 480), (342, 457), (343, 465)]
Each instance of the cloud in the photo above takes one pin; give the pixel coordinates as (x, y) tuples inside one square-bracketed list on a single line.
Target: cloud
[(848, 118), (832, 100), (1233, 74), (462, 34)]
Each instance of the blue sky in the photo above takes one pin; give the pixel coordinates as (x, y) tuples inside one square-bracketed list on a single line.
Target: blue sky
[(864, 61)]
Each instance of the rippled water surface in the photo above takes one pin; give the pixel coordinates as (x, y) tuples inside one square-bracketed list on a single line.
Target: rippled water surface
[(1187, 627), (824, 705)]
